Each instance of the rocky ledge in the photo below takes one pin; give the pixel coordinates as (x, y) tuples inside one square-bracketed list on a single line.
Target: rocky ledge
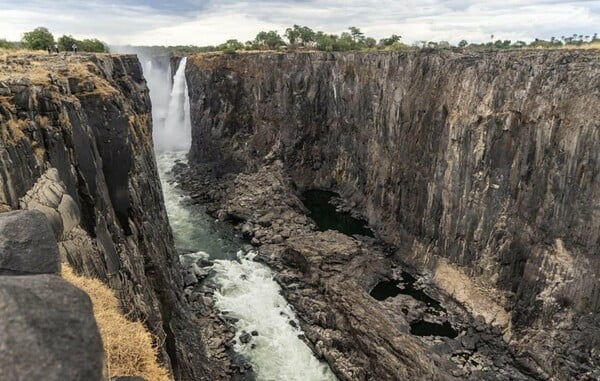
[(76, 145), (47, 329), (479, 168), (327, 277)]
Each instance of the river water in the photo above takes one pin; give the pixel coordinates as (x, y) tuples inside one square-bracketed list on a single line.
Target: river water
[(246, 289)]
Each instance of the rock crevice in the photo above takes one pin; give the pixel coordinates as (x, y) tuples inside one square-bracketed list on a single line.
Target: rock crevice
[(76, 144)]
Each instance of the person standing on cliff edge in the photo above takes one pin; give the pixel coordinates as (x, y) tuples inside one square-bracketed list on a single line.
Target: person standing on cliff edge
[(74, 47), (56, 48)]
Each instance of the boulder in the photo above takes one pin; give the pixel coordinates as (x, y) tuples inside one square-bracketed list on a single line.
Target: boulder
[(247, 231), (69, 212), (48, 331), (189, 279), (27, 244), (245, 337)]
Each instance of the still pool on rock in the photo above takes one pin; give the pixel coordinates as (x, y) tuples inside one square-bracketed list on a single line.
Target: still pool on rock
[(389, 289), (325, 215), (425, 328)]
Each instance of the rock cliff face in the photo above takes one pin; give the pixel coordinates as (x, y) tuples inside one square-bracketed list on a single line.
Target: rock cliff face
[(75, 144), (481, 168)]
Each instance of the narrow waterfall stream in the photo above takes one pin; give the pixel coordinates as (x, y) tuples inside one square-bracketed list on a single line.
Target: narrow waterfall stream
[(247, 290)]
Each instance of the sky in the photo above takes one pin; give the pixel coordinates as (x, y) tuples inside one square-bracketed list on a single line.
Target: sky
[(208, 22)]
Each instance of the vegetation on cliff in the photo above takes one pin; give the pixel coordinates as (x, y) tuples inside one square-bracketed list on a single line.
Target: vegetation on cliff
[(304, 38), (41, 39)]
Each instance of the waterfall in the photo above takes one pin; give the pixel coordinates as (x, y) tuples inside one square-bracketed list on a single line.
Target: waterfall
[(175, 133), (247, 290)]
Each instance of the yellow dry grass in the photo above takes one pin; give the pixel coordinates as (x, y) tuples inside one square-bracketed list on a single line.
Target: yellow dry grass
[(15, 129), (40, 67), (128, 345), (591, 45)]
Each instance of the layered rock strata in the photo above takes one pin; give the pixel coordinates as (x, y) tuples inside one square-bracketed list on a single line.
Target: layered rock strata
[(76, 144), (480, 168)]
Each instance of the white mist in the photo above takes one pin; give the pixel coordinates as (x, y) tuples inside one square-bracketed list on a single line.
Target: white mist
[(247, 290), (176, 133)]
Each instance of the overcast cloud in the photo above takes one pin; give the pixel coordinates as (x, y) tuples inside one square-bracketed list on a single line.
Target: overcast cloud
[(204, 22)]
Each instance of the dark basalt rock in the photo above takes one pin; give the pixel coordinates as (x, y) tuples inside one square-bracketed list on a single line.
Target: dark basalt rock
[(91, 127), (480, 167), (27, 244), (47, 331)]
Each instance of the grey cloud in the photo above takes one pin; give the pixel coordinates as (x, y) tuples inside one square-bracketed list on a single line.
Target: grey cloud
[(183, 20)]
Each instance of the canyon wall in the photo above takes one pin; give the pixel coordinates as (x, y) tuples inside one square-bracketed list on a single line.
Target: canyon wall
[(482, 169), (76, 144)]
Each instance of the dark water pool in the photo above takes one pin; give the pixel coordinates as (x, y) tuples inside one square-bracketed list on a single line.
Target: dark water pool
[(385, 289), (389, 288), (327, 218), (425, 328), (410, 289)]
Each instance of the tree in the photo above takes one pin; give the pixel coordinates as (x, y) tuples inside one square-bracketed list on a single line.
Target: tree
[(293, 34), (92, 45), (390, 40), (370, 42), (87, 45), (38, 39), (270, 39), (357, 35), (307, 35), (231, 46), (325, 42), (66, 42), (345, 43), (463, 43)]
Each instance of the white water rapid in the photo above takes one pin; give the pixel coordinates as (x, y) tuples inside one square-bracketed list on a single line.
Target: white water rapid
[(247, 290)]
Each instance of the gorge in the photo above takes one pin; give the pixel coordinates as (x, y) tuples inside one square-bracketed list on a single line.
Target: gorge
[(481, 169), (429, 215)]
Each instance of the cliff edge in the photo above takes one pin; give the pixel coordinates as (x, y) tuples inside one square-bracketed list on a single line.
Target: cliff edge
[(481, 168), (76, 144)]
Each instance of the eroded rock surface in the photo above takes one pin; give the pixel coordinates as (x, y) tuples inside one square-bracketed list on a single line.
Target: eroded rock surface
[(480, 168), (27, 245), (327, 277), (48, 331), (76, 145)]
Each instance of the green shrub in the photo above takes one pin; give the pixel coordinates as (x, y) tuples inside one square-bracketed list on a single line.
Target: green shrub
[(4, 44), (38, 39)]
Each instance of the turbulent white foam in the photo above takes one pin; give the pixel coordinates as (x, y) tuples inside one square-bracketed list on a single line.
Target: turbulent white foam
[(180, 218), (249, 293), (247, 290)]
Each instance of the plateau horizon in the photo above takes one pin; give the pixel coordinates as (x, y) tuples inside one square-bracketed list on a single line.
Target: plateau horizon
[(299, 37), (201, 22)]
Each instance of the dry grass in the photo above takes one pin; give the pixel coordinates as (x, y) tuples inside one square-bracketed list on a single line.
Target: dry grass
[(43, 121), (39, 67), (141, 128), (15, 130), (128, 346), (591, 45)]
